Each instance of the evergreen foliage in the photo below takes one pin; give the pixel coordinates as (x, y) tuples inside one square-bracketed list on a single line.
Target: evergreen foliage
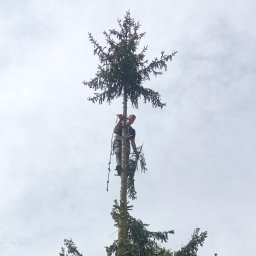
[(70, 249), (135, 165), (191, 248), (142, 242), (123, 69)]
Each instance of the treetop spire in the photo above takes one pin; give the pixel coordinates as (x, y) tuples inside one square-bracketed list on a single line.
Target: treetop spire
[(123, 69)]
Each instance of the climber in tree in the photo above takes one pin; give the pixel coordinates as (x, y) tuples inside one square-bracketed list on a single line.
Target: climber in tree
[(117, 145)]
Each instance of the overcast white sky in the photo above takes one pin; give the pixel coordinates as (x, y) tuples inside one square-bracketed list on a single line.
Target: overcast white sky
[(200, 149)]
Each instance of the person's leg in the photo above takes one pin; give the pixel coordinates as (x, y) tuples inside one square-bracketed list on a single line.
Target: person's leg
[(128, 156)]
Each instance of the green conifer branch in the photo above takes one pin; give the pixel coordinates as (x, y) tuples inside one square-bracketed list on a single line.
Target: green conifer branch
[(192, 247), (141, 241), (70, 249)]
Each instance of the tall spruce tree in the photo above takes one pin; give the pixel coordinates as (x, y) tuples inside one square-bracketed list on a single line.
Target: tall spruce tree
[(121, 72)]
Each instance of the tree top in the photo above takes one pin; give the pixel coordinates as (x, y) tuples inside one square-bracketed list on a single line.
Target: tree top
[(122, 69)]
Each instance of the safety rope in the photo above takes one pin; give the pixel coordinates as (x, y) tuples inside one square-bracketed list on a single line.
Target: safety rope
[(109, 163), (110, 155)]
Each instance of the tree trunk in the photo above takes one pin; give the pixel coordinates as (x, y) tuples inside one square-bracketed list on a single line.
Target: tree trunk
[(122, 232)]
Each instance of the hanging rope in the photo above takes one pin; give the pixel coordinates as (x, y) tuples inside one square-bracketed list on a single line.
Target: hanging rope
[(110, 155)]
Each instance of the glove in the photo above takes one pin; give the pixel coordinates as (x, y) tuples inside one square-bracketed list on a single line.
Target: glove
[(121, 116)]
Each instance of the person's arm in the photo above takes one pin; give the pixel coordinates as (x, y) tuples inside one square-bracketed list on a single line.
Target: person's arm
[(119, 123)]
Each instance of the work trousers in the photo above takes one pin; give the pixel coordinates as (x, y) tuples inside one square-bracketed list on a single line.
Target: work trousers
[(117, 148)]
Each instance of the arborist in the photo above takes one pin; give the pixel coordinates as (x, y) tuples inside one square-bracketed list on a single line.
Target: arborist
[(130, 139)]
